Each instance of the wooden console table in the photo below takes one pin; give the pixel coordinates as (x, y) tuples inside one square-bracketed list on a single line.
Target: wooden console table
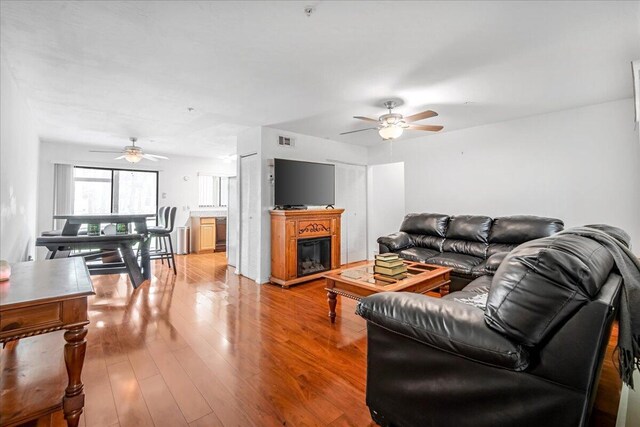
[(290, 226), (42, 297)]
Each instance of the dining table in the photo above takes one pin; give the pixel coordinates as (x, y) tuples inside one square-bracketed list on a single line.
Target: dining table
[(138, 272)]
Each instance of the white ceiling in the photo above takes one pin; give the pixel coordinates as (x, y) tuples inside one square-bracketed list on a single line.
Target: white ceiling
[(98, 72)]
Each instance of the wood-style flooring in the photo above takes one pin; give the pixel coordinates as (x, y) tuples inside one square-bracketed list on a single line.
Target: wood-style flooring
[(210, 348)]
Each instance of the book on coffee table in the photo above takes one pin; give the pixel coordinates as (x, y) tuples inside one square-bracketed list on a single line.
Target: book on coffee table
[(387, 257), (390, 271), (389, 264)]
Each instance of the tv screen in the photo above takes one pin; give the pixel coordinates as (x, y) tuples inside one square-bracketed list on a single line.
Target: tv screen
[(304, 183)]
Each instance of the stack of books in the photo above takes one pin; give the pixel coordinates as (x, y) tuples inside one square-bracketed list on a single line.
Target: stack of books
[(390, 265)]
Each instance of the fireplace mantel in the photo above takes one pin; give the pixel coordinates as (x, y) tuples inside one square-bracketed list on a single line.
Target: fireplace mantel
[(290, 226)]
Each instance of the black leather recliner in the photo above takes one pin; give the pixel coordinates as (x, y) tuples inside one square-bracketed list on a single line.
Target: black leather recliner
[(472, 245), (521, 348)]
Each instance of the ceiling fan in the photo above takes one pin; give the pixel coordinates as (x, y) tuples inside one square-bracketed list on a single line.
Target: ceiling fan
[(391, 125), (132, 153)]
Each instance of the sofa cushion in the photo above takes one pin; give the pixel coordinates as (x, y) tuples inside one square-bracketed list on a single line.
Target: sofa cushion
[(522, 228), (469, 227), (430, 224), (489, 266), (417, 254), (425, 241), (480, 270), (479, 284), (465, 247), (496, 248), (495, 260), (542, 283), (460, 263)]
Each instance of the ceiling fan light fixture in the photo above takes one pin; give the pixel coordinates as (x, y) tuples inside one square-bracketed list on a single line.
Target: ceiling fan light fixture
[(390, 132), (133, 157)]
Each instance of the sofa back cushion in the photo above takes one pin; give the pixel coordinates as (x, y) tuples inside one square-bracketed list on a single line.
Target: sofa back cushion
[(509, 231), (425, 241), (541, 283), (428, 224), (467, 234), (427, 230)]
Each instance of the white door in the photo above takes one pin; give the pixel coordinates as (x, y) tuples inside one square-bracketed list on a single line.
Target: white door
[(233, 229), (351, 194), (249, 216), (385, 199)]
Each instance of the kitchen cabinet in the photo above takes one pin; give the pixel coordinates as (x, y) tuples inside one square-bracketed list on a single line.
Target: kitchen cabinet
[(208, 234)]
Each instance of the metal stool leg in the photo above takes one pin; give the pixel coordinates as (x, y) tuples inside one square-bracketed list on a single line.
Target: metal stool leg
[(173, 260), (159, 242), (165, 253)]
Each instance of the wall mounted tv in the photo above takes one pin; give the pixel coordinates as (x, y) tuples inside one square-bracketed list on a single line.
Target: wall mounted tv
[(304, 183)]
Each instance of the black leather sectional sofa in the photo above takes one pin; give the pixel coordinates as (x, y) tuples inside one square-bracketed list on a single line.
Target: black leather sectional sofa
[(472, 245), (521, 348)]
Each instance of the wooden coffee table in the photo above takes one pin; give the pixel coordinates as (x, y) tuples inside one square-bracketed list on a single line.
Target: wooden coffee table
[(361, 281)]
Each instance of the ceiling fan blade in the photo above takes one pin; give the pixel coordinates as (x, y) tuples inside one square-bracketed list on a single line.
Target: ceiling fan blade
[(366, 119), (420, 116), (119, 158), (354, 131), (148, 157), (432, 128), (157, 156), (106, 151)]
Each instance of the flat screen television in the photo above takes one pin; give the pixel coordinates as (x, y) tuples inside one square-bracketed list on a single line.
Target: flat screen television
[(304, 183)]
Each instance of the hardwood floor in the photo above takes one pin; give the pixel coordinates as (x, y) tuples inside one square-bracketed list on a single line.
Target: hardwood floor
[(209, 348)]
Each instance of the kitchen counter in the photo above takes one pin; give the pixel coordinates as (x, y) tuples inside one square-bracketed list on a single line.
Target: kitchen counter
[(212, 213)]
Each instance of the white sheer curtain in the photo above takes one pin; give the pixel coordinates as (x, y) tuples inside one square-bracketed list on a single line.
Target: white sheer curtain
[(63, 192), (208, 190)]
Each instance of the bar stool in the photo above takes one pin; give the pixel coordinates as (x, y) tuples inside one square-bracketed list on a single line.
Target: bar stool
[(164, 234), (163, 216)]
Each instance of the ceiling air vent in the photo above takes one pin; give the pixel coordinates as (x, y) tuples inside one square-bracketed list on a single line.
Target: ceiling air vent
[(285, 141)]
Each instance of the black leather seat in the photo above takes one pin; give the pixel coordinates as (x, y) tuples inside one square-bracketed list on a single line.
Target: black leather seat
[(460, 263), (472, 245), (521, 348), (418, 254)]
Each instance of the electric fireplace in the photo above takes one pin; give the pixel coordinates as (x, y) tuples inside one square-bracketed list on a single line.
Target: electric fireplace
[(314, 255)]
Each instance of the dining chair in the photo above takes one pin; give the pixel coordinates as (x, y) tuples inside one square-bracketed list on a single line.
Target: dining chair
[(164, 234), (163, 214)]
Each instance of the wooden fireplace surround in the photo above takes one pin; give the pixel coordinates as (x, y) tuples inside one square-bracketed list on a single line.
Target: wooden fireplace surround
[(289, 226)]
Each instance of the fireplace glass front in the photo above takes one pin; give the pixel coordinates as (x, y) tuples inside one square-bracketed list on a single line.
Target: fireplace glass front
[(314, 256)]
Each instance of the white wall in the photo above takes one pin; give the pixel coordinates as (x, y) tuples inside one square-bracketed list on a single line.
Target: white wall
[(173, 189), (19, 147), (580, 165), (385, 202)]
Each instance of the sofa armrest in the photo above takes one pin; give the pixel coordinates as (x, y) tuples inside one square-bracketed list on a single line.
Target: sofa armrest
[(396, 241), (446, 325), (494, 261)]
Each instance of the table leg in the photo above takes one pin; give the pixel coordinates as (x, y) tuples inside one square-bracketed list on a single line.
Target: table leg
[(74, 351), (145, 258), (331, 299), (444, 290), (129, 258)]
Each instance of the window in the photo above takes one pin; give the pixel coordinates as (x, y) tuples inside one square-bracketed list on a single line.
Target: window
[(92, 191), (213, 191), (100, 191)]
